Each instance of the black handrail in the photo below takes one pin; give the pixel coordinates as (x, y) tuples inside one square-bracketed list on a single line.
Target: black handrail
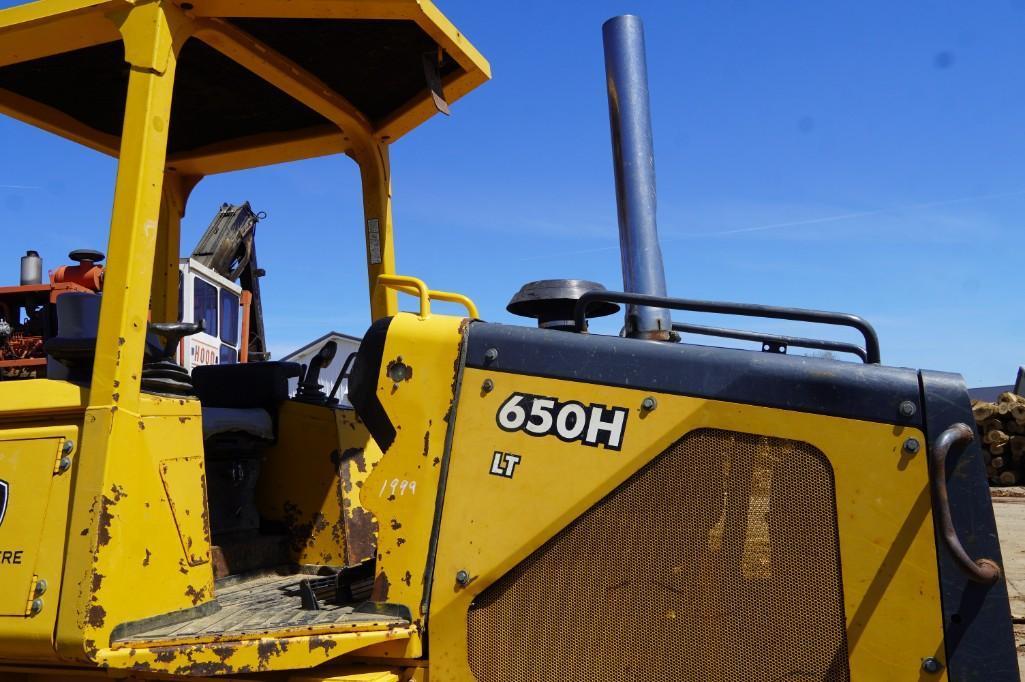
[(743, 309), (759, 337)]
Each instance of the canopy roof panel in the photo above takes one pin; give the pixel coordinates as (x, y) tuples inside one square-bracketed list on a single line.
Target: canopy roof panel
[(257, 82)]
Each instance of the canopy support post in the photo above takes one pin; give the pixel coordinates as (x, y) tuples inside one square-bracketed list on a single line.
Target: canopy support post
[(375, 171)]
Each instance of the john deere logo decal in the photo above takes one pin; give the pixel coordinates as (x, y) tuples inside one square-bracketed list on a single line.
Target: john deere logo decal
[(4, 489)]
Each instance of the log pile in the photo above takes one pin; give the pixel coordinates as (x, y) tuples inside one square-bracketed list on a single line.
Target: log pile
[(1002, 427)]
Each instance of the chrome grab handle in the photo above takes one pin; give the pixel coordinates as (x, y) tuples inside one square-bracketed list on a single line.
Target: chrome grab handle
[(984, 571)]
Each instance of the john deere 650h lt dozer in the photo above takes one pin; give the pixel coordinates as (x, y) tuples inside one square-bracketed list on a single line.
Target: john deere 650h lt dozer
[(506, 503)]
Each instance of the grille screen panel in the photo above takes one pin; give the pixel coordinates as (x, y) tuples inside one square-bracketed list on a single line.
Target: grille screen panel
[(717, 561)]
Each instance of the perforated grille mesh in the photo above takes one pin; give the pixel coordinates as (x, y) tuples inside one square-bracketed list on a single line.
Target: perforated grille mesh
[(717, 561)]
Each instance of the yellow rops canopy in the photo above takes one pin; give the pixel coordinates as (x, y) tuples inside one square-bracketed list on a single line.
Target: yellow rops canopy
[(257, 82), (181, 89)]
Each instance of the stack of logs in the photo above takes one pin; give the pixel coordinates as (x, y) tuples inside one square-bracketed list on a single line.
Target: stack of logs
[(1002, 426)]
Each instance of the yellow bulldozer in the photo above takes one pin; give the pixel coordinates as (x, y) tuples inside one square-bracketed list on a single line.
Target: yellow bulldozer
[(503, 503)]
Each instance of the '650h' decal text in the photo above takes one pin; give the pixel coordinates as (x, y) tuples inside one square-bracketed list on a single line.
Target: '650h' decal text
[(570, 421)]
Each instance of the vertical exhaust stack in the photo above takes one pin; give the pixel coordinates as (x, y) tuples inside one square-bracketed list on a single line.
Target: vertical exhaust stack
[(626, 73)]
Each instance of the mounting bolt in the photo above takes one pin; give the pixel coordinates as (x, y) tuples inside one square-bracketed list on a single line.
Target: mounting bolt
[(490, 355), (907, 409), (488, 386), (649, 404), (67, 448), (37, 606), (64, 464), (40, 589), (463, 578), (931, 665), (912, 445)]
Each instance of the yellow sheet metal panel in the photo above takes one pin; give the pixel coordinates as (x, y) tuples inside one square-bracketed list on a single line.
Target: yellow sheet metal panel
[(26, 474), (124, 541), (41, 398), (310, 482), (402, 491), (184, 480), (492, 521), (38, 452)]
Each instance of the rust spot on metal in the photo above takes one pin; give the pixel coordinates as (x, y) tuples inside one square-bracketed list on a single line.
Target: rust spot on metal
[(463, 326), (436, 461), (97, 580), (395, 525), (427, 441), (105, 515), (120, 340), (116, 397), (400, 541), (183, 420), (205, 669), (142, 427), (357, 455), (360, 534), (165, 655), (96, 616), (196, 595), (206, 511), (408, 579), (223, 652), (298, 529), (145, 562), (324, 643), (381, 587), (267, 648)]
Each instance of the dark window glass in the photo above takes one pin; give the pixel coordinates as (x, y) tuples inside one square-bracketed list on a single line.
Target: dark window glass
[(229, 356), (229, 317), (204, 305)]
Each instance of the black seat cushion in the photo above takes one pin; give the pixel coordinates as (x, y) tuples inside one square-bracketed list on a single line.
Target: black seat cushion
[(245, 385)]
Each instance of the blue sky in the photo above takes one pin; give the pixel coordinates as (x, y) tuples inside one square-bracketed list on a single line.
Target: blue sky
[(863, 157)]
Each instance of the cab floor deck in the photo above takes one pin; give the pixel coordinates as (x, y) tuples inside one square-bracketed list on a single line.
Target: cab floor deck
[(260, 605)]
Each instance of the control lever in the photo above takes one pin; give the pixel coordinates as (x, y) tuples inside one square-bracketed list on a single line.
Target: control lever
[(310, 389), (161, 374)]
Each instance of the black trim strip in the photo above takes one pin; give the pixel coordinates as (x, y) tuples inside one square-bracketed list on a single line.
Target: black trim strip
[(439, 503), (977, 628), (790, 382)]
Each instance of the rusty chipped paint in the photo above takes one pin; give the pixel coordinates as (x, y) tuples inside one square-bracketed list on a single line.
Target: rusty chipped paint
[(197, 596), (381, 587), (239, 657)]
